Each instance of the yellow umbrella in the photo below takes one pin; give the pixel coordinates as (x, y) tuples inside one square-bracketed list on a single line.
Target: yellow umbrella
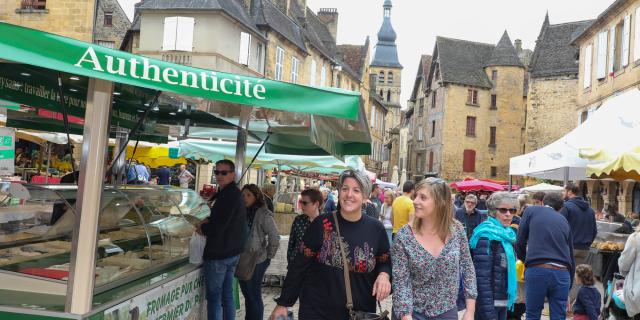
[(154, 156), (625, 166)]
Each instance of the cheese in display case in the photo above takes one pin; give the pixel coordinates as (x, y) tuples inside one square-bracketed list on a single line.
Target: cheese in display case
[(142, 230)]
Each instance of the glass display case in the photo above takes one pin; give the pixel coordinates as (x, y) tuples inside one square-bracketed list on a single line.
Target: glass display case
[(142, 229), (608, 239)]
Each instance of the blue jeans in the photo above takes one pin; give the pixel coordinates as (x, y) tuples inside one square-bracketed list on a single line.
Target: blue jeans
[(218, 277), (390, 236), (552, 284), (252, 292)]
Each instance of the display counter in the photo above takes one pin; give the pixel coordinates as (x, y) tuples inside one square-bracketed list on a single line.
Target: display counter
[(605, 250), (144, 235)]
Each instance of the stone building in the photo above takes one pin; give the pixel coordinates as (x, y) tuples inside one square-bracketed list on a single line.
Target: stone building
[(111, 24), (69, 18), (553, 85), (609, 60), (417, 114), (474, 109)]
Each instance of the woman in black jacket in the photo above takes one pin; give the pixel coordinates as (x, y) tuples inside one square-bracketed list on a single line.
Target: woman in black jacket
[(494, 258)]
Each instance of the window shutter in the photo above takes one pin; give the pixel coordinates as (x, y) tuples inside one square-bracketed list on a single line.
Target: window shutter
[(312, 76), (469, 162), (625, 40), (169, 35), (636, 49), (602, 55), (245, 47), (185, 29), (323, 76), (430, 161), (587, 66), (612, 48)]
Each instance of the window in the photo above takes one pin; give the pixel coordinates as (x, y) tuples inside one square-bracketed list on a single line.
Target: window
[(420, 133), (433, 99), (612, 50), (430, 161), (469, 161), (626, 28), (381, 94), (338, 81), (492, 137), (388, 95), (602, 55), (174, 26), (259, 59), (419, 166), (312, 74), (390, 78), (381, 77), (33, 4), (279, 63), (636, 49), (245, 48), (421, 107), (323, 76), (494, 171), (472, 96), (108, 44), (108, 19), (433, 129), (294, 69), (619, 46), (471, 126), (494, 76), (587, 67), (494, 101), (373, 117), (583, 116)]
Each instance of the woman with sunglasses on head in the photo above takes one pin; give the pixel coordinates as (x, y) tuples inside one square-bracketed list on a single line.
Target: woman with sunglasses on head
[(262, 244), (492, 248), (316, 275), (311, 201), (427, 257)]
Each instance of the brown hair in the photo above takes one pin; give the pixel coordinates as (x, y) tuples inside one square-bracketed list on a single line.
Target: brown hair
[(441, 194), (257, 193), (585, 274), (314, 195)]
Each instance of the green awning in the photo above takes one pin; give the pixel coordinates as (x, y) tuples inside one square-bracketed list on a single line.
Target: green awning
[(63, 54)]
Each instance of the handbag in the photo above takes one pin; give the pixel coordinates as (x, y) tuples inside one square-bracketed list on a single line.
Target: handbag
[(246, 265), (353, 314)]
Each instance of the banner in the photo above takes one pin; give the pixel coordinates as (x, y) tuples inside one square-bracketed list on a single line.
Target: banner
[(7, 151), (179, 299)]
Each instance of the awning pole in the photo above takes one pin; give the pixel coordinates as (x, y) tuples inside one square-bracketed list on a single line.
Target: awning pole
[(510, 183), (46, 172), (241, 142), (566, 175), (91, 183)]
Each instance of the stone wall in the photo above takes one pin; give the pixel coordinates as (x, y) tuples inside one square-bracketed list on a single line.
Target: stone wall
[(551, 110), (70, 18), (120, 23)]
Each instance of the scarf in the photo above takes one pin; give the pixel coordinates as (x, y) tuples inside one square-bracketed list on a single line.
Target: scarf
[(493, 230)]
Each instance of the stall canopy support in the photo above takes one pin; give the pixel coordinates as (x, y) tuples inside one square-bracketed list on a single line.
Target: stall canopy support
[(94, 146), (241, 141)]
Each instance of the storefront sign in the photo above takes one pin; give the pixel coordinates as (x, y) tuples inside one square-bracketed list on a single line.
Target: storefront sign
[(25, 45), (175, 300), (7, 151)]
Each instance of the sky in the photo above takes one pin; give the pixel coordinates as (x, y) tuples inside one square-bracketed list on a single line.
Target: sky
[(418, 22)]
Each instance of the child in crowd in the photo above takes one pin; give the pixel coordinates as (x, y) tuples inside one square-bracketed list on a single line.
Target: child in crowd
[(587, 304)]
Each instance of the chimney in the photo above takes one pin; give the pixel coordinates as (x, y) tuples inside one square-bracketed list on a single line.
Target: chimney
[(518, 44), (329, 16)]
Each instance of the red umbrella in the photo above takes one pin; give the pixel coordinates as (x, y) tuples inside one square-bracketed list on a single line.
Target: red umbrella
[(476, 185)]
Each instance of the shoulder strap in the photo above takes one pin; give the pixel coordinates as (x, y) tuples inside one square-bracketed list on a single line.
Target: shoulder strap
[(345, 267)]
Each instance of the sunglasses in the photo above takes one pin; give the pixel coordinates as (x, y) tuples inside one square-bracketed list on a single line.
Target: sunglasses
[(221, 172), (436, 180), (304, 203), (509, 210)]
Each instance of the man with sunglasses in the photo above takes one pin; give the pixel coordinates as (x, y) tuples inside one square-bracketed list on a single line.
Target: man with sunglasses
[(226, 231), (469, 215)]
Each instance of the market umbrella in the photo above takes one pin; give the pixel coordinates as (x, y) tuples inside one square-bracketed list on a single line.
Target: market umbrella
[(476, 185), (542, 187), (403, 177), (394, 175), (625, 166)]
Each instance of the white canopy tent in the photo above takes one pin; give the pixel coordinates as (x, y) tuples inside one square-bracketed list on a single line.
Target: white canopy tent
[(615, 127), (545, 187)]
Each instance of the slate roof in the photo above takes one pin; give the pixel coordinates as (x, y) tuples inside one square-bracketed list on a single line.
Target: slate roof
[(463, 61), (231, 7), (386, 51), (504, 53), (318, 35), (266, 14), (554, 55), (594, 23), (424, 68)]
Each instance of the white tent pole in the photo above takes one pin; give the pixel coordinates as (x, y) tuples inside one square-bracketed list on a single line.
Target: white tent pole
[(241, 141), (90, 185), (566, 175)]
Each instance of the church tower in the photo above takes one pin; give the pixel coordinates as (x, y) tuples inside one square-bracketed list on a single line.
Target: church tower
[(386, 67)]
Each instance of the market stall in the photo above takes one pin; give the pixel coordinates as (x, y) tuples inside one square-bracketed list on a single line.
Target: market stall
[(112, 93)]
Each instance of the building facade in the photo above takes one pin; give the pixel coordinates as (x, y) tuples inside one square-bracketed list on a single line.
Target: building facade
[(111, 24), (553, 85), (610, 64), (474, 109), (420, 164)]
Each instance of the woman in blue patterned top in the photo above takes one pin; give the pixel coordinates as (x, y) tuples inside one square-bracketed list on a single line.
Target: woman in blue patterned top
[(427, 258)]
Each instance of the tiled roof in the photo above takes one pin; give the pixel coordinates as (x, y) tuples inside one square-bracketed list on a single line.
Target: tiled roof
[(354, 57), (463, 62), (232, 7), (554, 55), (504, 54)]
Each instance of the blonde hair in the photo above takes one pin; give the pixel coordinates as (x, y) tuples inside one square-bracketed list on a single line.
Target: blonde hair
[(441, 194), (389, 195)]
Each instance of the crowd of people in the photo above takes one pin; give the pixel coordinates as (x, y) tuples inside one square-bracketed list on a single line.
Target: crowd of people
[(345, 255)]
